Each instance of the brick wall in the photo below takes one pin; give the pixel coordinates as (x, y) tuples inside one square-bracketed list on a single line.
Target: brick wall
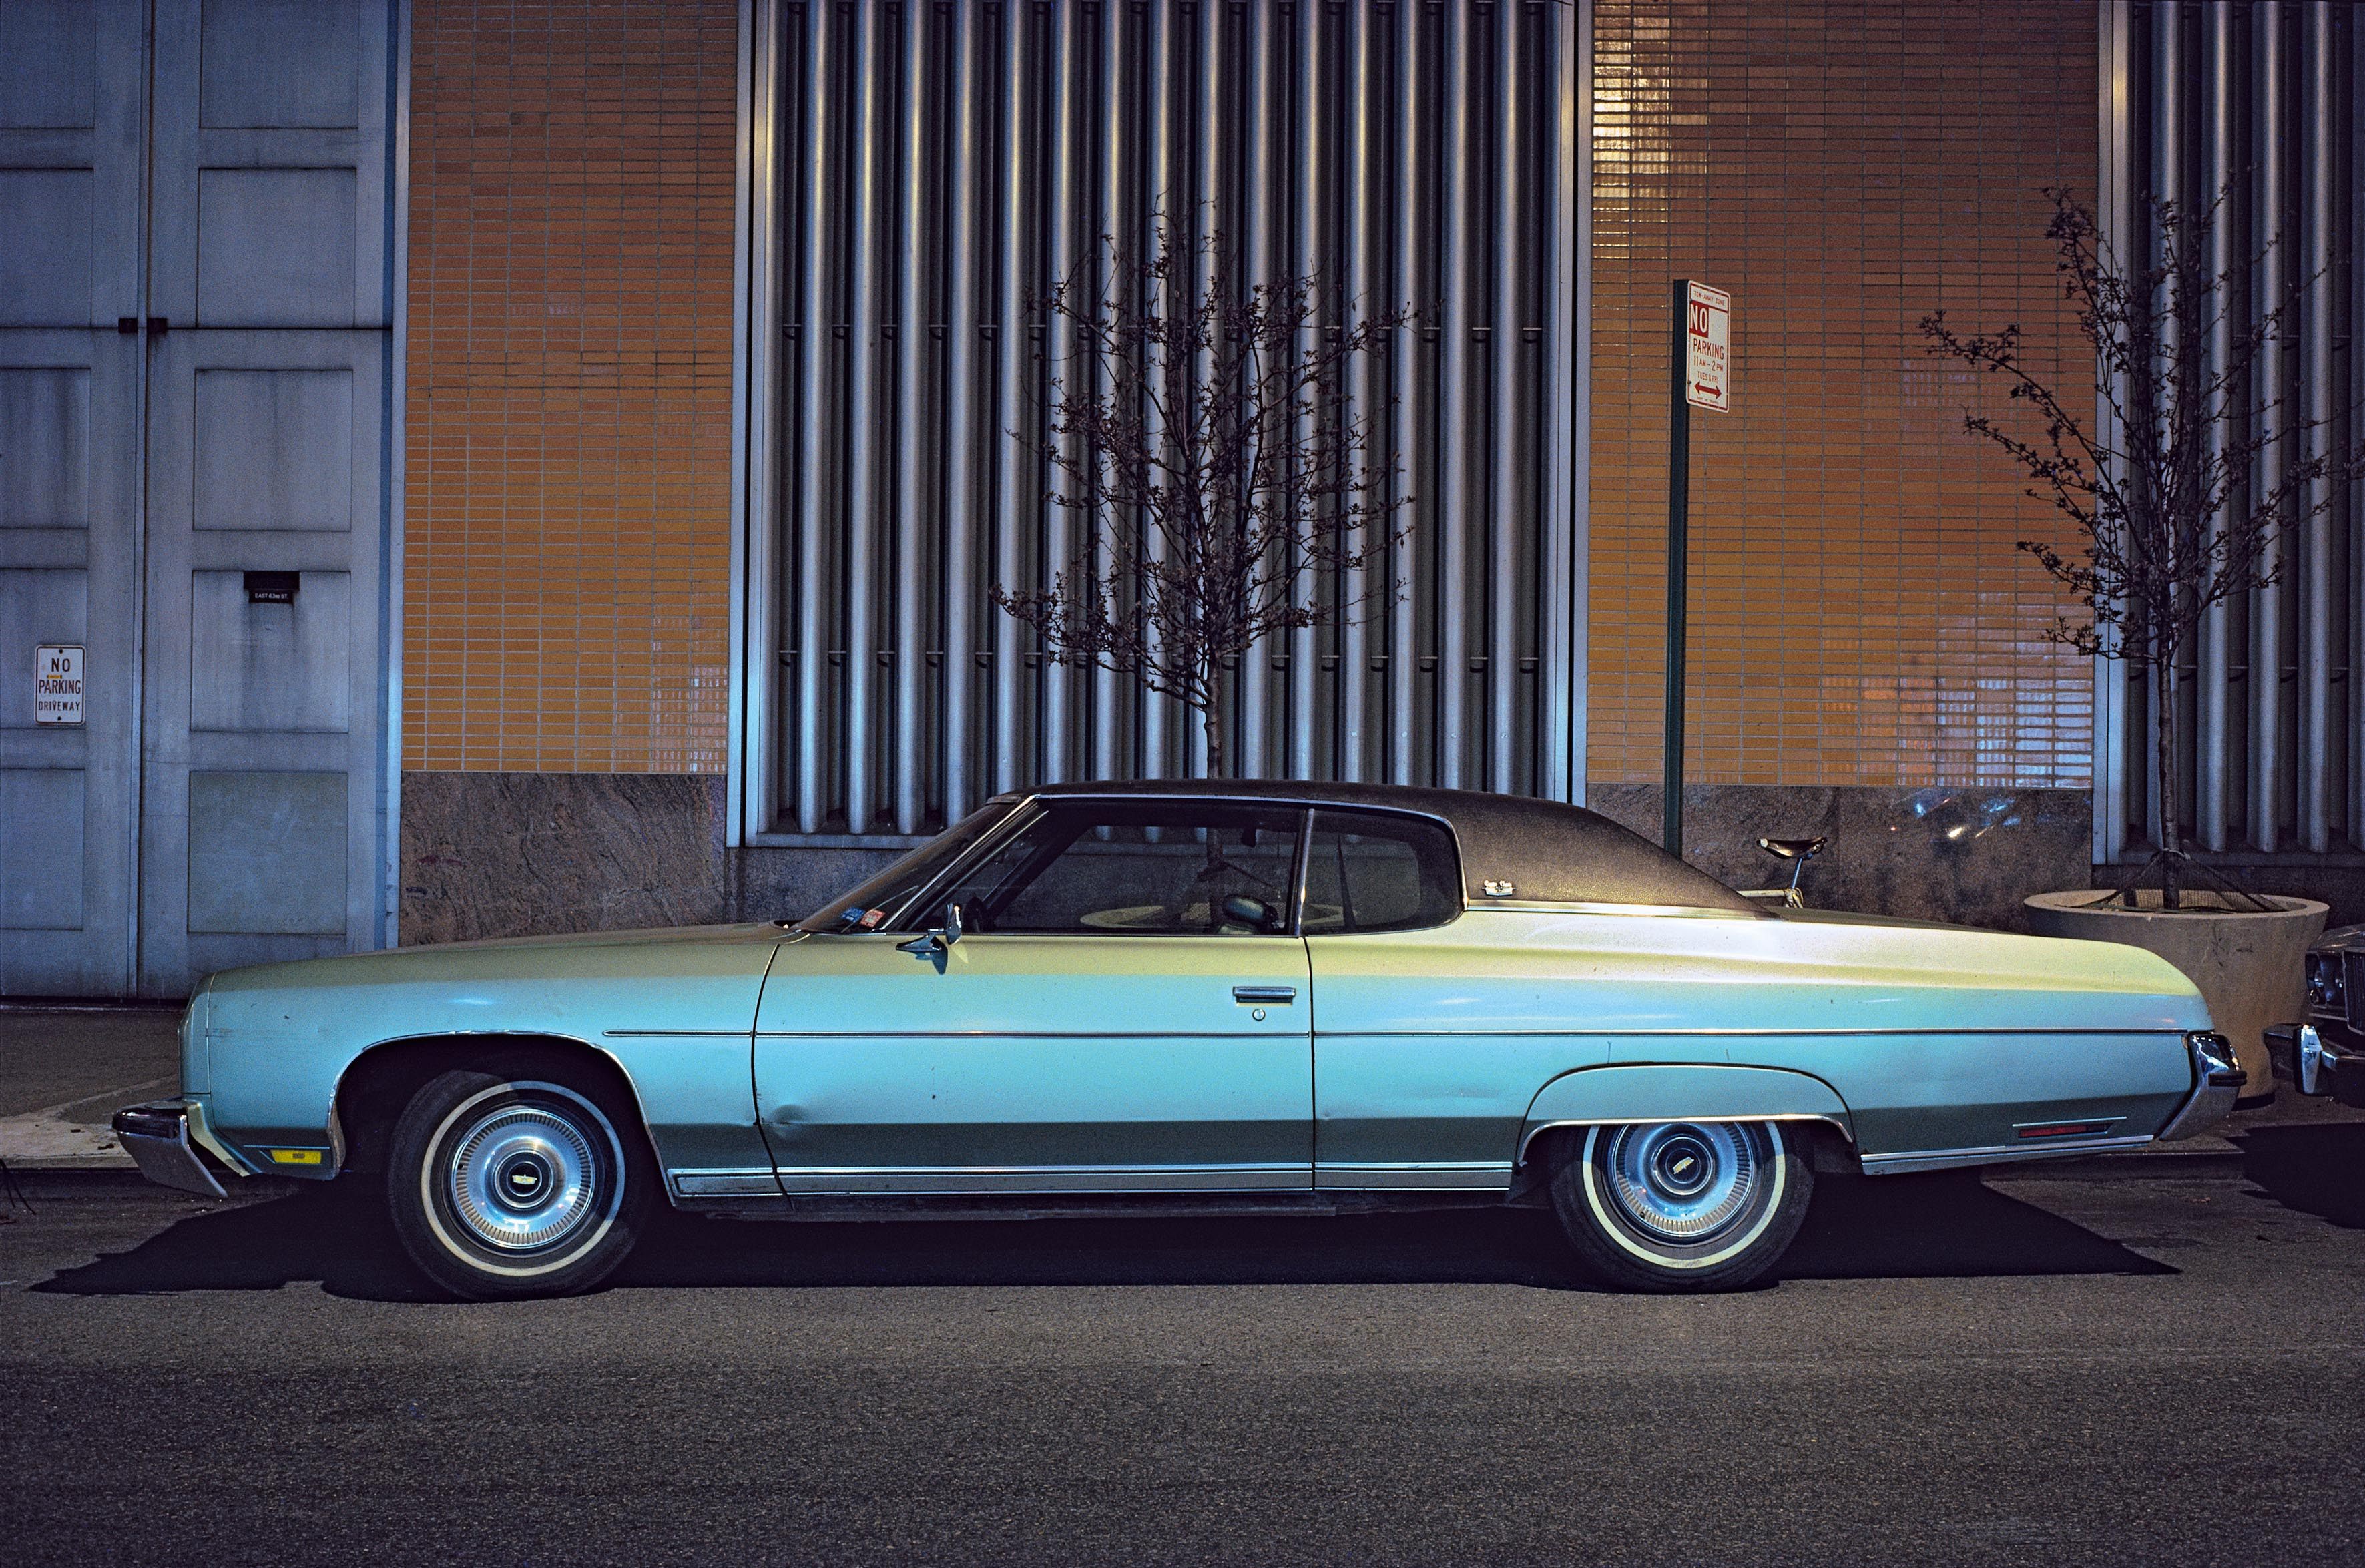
[(567, 533), (1859, 614), (1860, 617)]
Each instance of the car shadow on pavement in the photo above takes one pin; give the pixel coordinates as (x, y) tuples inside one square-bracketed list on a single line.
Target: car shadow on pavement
[(1945, 1225), (1468, 1246), (339, 1237), (2316, 1169)]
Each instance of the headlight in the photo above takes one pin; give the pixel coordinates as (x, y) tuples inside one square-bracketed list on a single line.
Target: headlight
[(2328, 989)]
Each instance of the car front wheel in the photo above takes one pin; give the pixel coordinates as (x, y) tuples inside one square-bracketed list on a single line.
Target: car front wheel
[(1682, 1205), (515, 1183)]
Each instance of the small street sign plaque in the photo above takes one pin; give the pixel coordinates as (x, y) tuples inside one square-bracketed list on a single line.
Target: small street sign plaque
[(57, 684), (1707, 344)]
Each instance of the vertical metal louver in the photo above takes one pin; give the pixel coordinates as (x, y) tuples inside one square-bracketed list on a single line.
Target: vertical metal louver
[(929, 169), (2261, 98)]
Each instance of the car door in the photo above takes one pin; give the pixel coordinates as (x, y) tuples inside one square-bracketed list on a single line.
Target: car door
[(1433, 1027), (1125, 1009)]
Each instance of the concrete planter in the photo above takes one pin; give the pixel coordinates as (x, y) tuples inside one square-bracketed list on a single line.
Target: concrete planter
[(2251, 967)]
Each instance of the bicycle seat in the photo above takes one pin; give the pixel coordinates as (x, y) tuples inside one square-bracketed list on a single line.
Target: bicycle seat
[(1792, 848)]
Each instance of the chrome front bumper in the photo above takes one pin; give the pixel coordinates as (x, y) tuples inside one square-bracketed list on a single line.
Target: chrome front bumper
[(158, 1137), (2216, 1081), (2314, 1063)]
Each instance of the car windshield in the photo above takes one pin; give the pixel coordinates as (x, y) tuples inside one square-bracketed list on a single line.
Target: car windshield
[(1162, 868), (877, 900)]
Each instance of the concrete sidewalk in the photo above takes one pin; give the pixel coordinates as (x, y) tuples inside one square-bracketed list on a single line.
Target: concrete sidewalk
[(65, 1072)]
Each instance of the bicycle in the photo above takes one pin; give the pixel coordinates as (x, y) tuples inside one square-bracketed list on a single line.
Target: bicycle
[(1797, 852)]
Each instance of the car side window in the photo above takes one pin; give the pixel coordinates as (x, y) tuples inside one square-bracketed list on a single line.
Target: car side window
[(1158, 869), (1377, 871)]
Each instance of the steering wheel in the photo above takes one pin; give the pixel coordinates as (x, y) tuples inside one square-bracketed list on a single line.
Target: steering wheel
[(1253, 912)]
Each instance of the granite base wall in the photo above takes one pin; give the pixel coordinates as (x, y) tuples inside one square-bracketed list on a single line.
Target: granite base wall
[(1963, 856), (788, 884), (490, 854), (528, 854)]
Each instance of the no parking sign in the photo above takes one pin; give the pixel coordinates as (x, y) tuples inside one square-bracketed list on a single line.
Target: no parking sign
[(57, 684)]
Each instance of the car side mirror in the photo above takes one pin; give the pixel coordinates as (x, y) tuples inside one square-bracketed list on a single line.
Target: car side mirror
[(940, 939)]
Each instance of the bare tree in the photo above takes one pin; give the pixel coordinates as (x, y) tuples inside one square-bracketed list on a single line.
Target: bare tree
[(2181, 488), (1209, 427)]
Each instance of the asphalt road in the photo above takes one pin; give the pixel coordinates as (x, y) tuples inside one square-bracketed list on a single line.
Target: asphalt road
[(2127, 1370)]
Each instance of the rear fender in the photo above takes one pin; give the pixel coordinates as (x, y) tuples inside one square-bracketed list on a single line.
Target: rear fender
[(1592, 1096)]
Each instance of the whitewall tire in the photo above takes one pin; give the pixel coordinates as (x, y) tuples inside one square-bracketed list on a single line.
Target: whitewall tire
[(516, 1182), (1682, 1205)]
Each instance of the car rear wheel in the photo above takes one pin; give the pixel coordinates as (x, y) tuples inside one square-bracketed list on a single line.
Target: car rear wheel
[(1682, 1205), (516, 1183)]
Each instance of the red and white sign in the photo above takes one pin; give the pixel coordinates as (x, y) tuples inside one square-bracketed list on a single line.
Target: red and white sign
[(1708, 349), (57, 685)]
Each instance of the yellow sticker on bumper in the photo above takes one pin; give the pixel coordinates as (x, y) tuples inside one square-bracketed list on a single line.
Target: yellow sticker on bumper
[(295, 1156)]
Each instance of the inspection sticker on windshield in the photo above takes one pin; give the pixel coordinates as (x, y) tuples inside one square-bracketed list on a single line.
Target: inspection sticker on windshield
[(57, 685)]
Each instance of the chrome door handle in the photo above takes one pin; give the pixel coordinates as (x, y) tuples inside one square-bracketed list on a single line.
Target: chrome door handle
[(1267, 995)]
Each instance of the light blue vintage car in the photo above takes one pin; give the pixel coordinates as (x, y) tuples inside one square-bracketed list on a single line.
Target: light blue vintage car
[(1228, 997)]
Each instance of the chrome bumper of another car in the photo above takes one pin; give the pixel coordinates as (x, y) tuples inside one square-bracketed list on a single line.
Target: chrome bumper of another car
[(158, 1137), (2319, 1062), (2216, 1081)]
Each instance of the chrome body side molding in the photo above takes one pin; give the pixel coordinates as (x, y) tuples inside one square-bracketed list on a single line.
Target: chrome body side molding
[(1463, 1176), (849, 1179), (723, 1183), (1997, 1154), (1642, 911), (1012, 1034)]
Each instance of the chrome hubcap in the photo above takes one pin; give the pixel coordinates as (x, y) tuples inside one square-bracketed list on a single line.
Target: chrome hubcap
[(1687, 1183), (523, 1176)]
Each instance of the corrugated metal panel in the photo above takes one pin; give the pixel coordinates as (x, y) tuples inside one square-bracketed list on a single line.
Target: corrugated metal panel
[(2259, 99), (941, 165)]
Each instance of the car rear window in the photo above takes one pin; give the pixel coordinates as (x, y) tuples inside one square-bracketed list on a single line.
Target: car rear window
[(1380, 871)]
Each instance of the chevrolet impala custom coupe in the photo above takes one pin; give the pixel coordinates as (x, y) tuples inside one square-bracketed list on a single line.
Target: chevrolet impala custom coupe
[(1223, 997)]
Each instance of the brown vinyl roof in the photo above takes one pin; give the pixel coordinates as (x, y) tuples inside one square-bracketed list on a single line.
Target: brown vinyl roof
[(1547, 851)]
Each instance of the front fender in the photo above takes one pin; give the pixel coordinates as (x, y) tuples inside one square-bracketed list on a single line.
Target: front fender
[(1703, 1092)]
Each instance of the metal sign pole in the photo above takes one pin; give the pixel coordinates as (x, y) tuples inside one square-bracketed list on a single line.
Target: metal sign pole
[(1679, 480), (1700, 374)]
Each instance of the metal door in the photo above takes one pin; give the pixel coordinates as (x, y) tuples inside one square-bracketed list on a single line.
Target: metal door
[(193, 358), (71, 134)]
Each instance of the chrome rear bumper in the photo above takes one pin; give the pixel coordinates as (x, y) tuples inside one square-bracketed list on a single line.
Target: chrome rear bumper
[(158, 1137), (2216, 1081), (2317, 1062)]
